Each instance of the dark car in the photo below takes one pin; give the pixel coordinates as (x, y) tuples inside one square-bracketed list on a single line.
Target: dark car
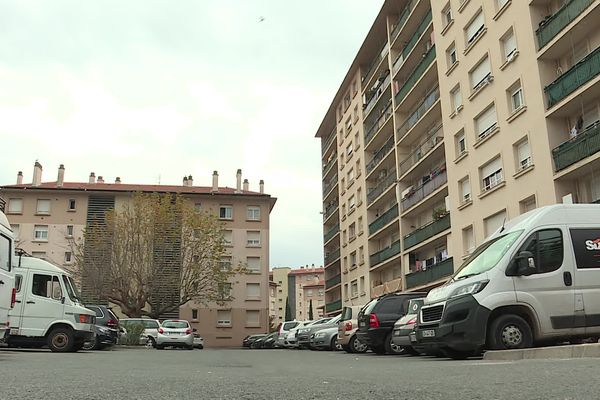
[(265, 342), (251, 338), (106, 328), (376, 321)]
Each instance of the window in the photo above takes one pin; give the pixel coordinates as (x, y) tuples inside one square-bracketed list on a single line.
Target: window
[(456, 99), (253, 238), (352, 230), (481, 73), (358, 170), (509, 44), (16, 228), (355, 114), (356, 140), (253, 290), (461, 144), (69, 231), (361, 255), (71, 204), (350, 177), (253, 213), (354, 288), (40, 232), (493, 223), (491, 174), (5, 253), (359, 196), (501, 3), (465, 190), (527, 205), (225, 263), (345, 263), (223, 317), (198, 208), (351, 204), (194, 314), (447, 15), (43, 207), (309, 293), (348, 125), (227, 237), (468, 240), (321, 292), (68, 256), (345, 291), (252, 318), (515, 94), (451, 57), (523, 155), (352, 259), (349, 150), (253, 264), (18, 282), (360, 225), (39, 254), (226, 212), (15, 206), (475, 27), (46, 286), (344, 237), (546, 246), (362, 285), (343, 184), (486, 122), (225, 290)]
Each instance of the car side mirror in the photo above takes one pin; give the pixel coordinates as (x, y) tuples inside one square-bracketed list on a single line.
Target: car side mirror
[(525, 263)]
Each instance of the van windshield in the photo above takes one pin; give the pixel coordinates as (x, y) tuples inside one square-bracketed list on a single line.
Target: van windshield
[(487, 255), (71, 288)]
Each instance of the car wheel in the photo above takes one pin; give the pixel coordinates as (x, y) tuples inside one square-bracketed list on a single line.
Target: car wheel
[(390, 347), (356, 346), (334, 346), (509, 332), (457, 354), (200, 346), (150, 342), (61, 340), (91, 344)]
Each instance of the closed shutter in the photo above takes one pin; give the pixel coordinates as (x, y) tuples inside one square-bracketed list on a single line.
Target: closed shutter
[(523, 152), (456, 98), (510, 44), (465, 186), (475, 26), (486, 120), (253, 263), (493, 223), (491, 167), (43, 206), (253, 289), (482, 70)]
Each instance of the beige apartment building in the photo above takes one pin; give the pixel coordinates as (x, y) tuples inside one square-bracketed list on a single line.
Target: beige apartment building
[(454, 116), (48, 216), (301, 287)]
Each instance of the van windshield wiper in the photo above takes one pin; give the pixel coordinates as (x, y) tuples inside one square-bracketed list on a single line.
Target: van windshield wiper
[(460, 278)]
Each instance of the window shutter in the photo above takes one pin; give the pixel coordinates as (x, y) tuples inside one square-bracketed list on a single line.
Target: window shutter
[(481, 71), (465, 189), (475, 26), (523, 151), (253, 289), (491, 167), (510, 44), (493, 223), (486, 120)]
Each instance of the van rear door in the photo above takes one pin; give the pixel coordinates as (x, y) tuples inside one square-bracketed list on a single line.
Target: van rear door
[(6, 282), (586, 248)]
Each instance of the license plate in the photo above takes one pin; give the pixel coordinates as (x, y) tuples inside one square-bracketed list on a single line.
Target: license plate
[(362, 323), (14, 331), (413, 337), (396, 333), (429, 333)]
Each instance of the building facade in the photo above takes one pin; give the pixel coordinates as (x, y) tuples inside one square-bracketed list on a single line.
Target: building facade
[(48, 216), (454, 116), (301, 287)]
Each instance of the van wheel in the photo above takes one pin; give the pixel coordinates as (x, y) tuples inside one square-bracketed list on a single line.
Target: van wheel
[(61, 340), (356, 346), (509, 332)]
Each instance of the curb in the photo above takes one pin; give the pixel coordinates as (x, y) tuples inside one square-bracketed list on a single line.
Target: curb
[(591, 350)]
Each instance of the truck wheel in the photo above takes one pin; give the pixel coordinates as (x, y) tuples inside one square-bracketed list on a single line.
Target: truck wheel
[(509, 332), (356, 346), (61, 340)]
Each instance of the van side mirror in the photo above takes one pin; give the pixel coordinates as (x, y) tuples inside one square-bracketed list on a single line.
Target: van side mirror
[(525, 263), (62, 300)]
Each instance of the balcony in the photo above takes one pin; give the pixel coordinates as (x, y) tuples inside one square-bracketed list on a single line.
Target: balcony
[(327, 167), (373, 67), (332, 256), (583, 145), (384, 219), (329, 185), (385, 254), (331, 233), (333, 306), (433, 273), (380, 154), (577, 76), (412, 42), (381, 120), (427, 231), (428, 102), (415, 196), (331, 282), (377, 95), (392, 286), (2, 205), (422, 150), (381, 187), (553, 25), (415, 75), (402, 19), (328, 141), (330, 209)]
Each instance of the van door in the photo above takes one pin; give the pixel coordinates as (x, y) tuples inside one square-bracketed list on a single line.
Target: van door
[(16, 313), (6, 282), (586, 247), (548, 287), (43, 304)]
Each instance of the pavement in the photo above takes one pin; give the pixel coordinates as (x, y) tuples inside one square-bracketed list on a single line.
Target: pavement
[(591, 350), (285, 374)]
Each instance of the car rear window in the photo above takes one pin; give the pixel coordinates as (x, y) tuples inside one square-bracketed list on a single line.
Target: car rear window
[(112, 315), (97, 310), (175, 324), (370, 306), (390, 305), (289, 325)]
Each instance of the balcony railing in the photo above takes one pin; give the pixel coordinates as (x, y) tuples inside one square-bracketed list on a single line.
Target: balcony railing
[(379, 92), (416, 75), (424, 190), (385, 254), (329, 185), (402, 19), (414, 117), (373, 67), (331, 233), (577, 76), (330, 209), (422, 150), (332, 256), (336, 280), (333, 306), (328, 166), (431, 274), (379, 122), (381, 187), (427, 231), (393, 286), (412, 42), (2, 205), (380, 154), (583, 145), (559, 20), (384, 219), (328, 141)]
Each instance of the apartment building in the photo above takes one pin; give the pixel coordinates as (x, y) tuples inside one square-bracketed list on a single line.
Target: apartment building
[(48, 216), (301, 287), (454, 116)]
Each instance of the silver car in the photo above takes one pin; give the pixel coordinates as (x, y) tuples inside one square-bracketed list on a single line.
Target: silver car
[(175, 333), (325, 339)]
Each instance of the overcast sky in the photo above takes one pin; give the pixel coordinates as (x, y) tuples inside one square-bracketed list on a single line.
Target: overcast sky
[(150, 90)]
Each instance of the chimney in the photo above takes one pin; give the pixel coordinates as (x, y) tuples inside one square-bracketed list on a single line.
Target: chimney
[(37, 174), (61, 176), (185, 181), (100, 179), (215, 185), (246, 184), (118, 180), (20, 178), (261, 186), (238, 181), (92, 178), (190, 181)]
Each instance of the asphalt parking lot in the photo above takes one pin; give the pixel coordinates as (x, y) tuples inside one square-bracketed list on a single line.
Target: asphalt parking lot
[(285, 374)]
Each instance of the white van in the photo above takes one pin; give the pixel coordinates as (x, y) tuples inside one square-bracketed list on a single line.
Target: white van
[(48, 309), (7, 282), (536, 280)]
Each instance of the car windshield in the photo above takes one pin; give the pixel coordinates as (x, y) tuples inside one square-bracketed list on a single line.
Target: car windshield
[(175, 324), (487, 255), (289, 325)]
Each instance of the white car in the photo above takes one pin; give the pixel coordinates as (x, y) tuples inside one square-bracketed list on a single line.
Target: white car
[(291, 338), (150, 329), (198, 341), (175, 333)]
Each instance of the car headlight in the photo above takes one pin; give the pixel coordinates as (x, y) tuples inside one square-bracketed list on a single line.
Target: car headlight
[(320, 334), (471, 288)]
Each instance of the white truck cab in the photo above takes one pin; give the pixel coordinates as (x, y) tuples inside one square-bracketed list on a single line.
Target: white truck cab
[(48, 309), (7, 281), (536, 280)]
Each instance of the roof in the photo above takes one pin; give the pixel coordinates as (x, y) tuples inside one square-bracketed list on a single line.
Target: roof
[(37, 263), (302, 271)]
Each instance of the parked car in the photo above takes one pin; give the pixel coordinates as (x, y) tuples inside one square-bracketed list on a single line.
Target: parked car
[(175, 333), (270, 342), (291, 339), (347, 327), (198, 341), (305, 333), (376, 321), (106, 328), (150, 332), (284, 328), (325, 339), (251, 338), (264, 342), (405, 326)]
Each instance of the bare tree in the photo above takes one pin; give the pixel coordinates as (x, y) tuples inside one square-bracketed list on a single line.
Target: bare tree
[(152, 255)]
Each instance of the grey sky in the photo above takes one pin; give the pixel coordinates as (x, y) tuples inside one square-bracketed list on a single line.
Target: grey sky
[(142, 89)]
